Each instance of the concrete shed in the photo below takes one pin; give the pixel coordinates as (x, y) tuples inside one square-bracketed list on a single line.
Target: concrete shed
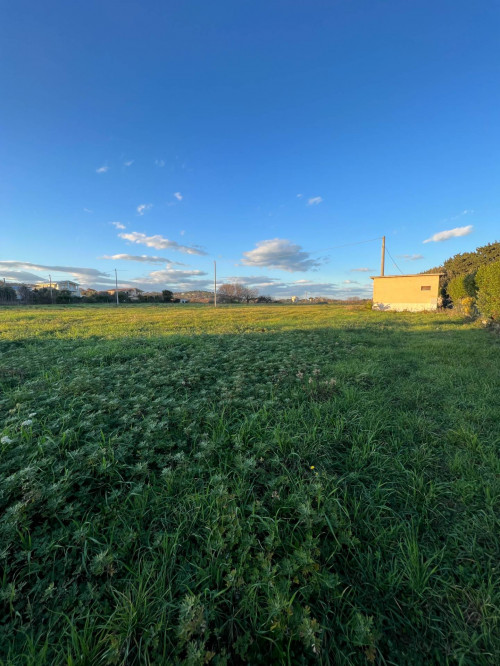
[(406, 292)]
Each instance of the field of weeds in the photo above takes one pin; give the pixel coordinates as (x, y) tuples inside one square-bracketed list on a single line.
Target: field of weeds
[(261, 485)]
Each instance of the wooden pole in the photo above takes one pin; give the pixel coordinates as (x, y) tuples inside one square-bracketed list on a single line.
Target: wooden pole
[(215, 284), (382, 261)]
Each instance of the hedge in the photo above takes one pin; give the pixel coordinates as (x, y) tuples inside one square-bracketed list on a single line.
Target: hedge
[(488, 297)]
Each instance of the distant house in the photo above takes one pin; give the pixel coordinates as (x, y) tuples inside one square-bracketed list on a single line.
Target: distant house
[(294, 299), (131, 292), (183, 300), (406, 292), (66, 285)]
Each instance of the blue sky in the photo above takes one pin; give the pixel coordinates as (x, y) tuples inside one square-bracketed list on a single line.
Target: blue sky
[(257, 133)]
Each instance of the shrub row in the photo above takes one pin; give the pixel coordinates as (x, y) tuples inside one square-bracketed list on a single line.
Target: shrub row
[(479, 291)]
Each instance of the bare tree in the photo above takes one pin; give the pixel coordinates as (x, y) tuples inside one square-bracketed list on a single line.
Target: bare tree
[(236, 293)]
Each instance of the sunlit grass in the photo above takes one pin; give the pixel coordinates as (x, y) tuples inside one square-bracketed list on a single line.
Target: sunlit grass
[(306, 484)]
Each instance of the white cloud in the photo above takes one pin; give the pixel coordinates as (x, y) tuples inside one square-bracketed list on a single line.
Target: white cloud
[(160, 163), (362, 270), (450, 233), (314, 201), (118, 225), (22, 276), (102, 169), (129, 163), (182, 232), (87, 210), (350, 282), (281, 254), (160, 243), (411, 257), (142, 208), (173, 274), (299, 196), (146, 258), (178, 196), (172, 278), (78, 272)]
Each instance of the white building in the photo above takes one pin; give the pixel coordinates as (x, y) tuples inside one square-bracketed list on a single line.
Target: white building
[(67, 285), (132, 292)]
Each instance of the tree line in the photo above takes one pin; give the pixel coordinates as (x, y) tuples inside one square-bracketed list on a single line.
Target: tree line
[(226, 293)]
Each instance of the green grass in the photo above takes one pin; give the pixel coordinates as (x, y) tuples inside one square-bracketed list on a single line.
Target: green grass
[(249, 485)]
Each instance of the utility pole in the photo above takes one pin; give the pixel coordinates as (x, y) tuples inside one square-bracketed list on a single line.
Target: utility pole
[(116, 284), (382, 261), (215, 284), (50, 282)]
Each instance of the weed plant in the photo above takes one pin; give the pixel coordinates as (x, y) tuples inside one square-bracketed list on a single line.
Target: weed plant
[(286, 485)]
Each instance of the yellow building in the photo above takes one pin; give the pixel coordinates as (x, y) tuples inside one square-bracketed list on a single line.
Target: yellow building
[(406, 292)]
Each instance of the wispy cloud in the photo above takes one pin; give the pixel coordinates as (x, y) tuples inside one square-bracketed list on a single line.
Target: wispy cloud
[(410, 257), (129, 163), (362, 270), (22, 276), (258, 281), (178, 196), (102, 169), (78, 272), (87, 210), (467, 211), (118, 225), (281, 254), (175, 279), (350, 282), (450, 233), (299, 196), (182, 232), (314, 201), (159, 242), (160, 163), (145, 258), (172, 273), (142, 208)]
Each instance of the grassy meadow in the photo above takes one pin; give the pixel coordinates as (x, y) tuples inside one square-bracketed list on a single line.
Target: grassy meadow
[(250, 485)]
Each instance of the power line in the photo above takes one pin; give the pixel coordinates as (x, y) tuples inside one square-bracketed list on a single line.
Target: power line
[(395, 264), (335, 247)]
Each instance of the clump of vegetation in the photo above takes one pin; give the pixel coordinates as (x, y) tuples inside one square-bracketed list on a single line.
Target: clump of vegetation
[(462, 291), (468, 263), (247, 485), (469, 293), (488, 282)]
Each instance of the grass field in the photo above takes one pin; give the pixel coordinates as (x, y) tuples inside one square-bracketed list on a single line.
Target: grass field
[(306, 484)]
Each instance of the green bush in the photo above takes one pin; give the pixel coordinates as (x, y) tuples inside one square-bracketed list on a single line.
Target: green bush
[(462, 286), (488, 282)]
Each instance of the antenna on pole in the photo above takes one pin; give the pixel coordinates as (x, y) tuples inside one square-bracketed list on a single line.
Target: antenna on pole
[(382, 261), (116, 284), (215, 284)]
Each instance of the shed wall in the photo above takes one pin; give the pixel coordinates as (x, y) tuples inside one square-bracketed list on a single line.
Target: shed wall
[(405, 292)]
